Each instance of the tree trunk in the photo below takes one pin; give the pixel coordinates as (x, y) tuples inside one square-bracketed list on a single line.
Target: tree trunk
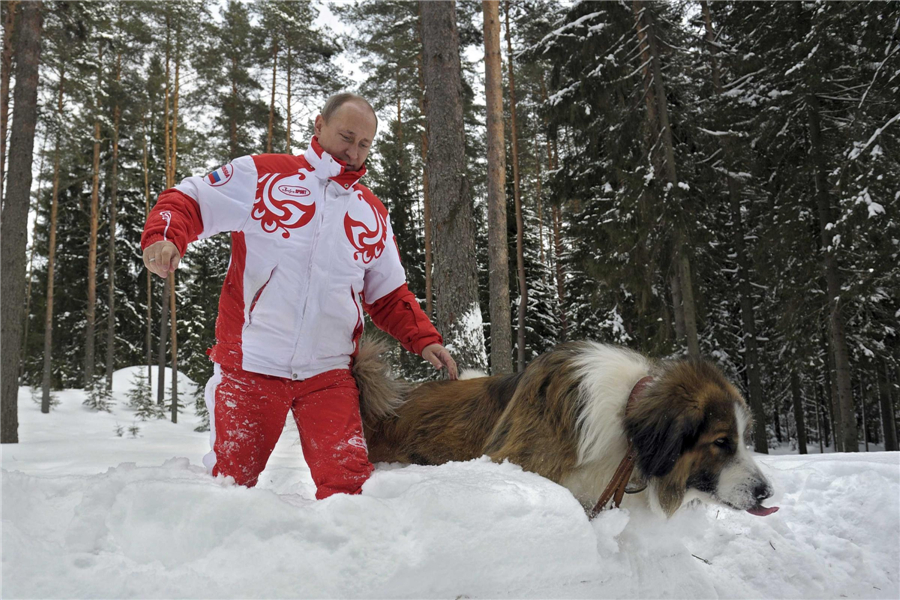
[(13, 232), (166, 148), (833, 282), (163, 334), (677, 304), (164, 300), (874, 430), (777, 422), (399, 116), (831, 390), (5, 69), (501, 334), (687, 298), (555, 218), (538, 200), (748, 318), (798, 412), (173, 162), (887, 412), (51, 257), (823, 409), (149, 333), (272, 102), (233, 150), (29, 279), (288, 122), (646, 33), (652, 122), (92, 247), (862, 410), (426, 199), (560, 271), (455, 277), (520, 228), (113, 197), (817, 406), (174, 330), (652, 135)]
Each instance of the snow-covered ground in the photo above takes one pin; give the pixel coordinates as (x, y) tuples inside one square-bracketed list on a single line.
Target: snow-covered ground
[(87, 513)]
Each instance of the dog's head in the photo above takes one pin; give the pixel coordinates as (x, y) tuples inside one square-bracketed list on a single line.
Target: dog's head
[(689, 430)]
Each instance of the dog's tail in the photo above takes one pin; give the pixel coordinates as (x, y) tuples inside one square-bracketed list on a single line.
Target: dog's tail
[(379, 393)]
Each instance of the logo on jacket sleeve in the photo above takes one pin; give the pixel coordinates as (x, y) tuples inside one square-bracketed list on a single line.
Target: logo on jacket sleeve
[(274, 207), (368, 239), (220, 176)]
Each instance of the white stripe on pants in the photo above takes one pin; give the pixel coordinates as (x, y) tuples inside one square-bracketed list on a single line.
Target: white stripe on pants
[(209, 396)]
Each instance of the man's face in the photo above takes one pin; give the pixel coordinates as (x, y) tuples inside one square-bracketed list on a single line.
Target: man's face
[(348, 134)]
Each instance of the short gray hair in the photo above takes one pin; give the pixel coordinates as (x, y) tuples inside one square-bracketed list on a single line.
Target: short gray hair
[(338, 100)]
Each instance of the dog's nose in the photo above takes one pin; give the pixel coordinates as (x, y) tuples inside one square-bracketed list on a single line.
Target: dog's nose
[(762, 491)]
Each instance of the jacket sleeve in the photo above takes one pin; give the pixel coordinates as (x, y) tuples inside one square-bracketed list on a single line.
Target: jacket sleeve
[(200, 207), (390, 304), (398, 313)]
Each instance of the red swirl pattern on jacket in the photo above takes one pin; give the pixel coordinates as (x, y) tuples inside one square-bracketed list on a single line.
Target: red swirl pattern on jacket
[(368, 241), (274, 206)]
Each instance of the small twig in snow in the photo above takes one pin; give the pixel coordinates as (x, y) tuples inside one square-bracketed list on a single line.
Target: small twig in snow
[(773, 546), (703, 559)]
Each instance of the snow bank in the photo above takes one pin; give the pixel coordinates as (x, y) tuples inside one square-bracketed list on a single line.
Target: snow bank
[(91, 524), (173, 531)]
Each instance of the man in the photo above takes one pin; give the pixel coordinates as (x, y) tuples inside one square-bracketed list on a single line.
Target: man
[(311, 248)]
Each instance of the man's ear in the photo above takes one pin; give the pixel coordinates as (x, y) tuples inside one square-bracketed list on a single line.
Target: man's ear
[(317, 126), (661, 431)]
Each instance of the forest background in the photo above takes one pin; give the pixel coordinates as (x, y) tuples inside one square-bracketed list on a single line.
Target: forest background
[(684, 178)]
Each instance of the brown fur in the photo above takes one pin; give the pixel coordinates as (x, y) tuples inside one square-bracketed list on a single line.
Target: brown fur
[(533, 419), (528, 419), (676, 424), (382, 393)]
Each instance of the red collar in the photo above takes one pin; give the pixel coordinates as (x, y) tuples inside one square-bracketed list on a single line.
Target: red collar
[(333, 168)]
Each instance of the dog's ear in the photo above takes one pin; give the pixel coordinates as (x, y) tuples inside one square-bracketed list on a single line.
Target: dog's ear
[(661, 431)]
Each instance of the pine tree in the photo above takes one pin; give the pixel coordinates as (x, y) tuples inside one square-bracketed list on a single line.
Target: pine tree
[(457, 306), (498, 255), (15, 209), (8, 16), (225, 65)]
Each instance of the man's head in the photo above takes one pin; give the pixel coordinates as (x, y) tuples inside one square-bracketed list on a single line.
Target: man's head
[(346, 128)]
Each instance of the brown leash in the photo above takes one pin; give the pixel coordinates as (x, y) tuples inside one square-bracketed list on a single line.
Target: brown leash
[(616, 488)]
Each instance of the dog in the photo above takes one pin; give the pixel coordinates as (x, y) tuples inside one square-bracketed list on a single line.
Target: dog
[(564, 417)]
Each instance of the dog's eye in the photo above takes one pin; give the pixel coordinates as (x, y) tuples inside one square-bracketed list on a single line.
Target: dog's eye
[(722, 442)]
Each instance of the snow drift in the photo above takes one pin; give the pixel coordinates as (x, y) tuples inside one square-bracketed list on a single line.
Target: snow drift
[(87, 513)]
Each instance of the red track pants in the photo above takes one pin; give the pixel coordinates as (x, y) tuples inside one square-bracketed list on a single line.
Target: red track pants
[(247, 414)]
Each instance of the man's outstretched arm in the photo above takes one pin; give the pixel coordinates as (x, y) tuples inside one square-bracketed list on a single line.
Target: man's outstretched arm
[(398, 313), (198, 207)]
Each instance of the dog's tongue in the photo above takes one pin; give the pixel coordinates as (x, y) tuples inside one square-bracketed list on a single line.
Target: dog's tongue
[(762, 511)]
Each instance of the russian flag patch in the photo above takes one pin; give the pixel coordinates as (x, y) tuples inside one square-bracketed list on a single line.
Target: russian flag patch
[(220, 176)]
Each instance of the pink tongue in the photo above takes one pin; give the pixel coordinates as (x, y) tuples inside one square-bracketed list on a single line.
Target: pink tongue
[(762, 511)]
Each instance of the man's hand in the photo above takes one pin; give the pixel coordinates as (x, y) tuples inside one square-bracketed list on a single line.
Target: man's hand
[(161, 258), (440, 358)]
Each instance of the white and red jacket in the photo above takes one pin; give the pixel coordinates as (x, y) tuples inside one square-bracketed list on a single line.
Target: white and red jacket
[(311, 248)]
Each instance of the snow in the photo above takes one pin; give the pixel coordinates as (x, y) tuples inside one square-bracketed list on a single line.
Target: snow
[(873, 208), (467, 337), (87, 513), (854, 154)]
